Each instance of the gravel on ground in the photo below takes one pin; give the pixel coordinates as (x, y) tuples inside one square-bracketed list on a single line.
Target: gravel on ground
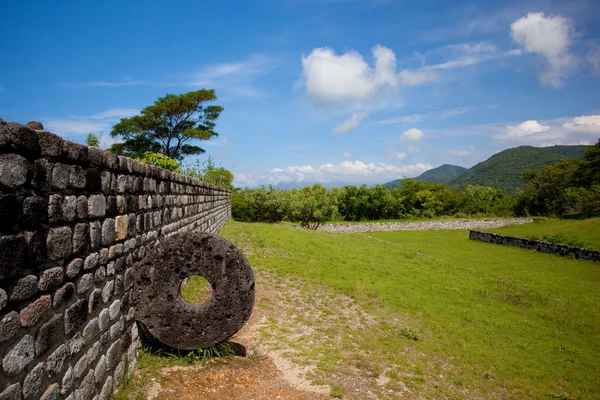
[(423, 226)]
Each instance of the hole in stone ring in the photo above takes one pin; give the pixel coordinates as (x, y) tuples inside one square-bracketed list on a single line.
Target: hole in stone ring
[(196, 290)]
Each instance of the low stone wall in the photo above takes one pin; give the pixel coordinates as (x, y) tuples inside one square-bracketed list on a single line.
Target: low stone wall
[(544, 247), (73, 221)]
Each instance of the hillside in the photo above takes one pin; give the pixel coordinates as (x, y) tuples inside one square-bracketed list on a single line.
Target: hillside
[(504, 169), (442, 174)]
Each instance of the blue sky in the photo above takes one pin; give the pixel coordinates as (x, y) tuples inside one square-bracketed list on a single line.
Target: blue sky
[(334, 91)]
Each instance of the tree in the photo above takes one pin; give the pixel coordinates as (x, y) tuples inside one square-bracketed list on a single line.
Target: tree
[(208, 172), (160, 160), (169, 125), (92, 140)]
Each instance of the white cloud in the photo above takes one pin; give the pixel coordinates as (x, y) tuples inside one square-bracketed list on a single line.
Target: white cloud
[(593, 58), (454, 112), (463, 151), (408, 119), (578, 130), (396, 156), (98, 123), (549, 37), (351, 172), (106, 141), (351, 123), (234, 77), (333, 79), (412, 137), (346, 154), (418, 77)]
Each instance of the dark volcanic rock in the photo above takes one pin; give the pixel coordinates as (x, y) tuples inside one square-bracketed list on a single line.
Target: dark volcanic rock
[(172, 320), (35, 125)]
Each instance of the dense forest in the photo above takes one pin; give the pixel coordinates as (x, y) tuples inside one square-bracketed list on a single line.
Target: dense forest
[(568, 186)]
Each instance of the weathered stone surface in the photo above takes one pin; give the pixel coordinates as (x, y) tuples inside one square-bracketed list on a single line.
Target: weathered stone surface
[(81, 238), (9, 212), (74, 151), (95, 300), (76, 177), (85, 283), (80, 367), (36, 247), (100, 370), (97, 206), (69, 208), (108, 231), (104, 320), (95, 235), (107, 389), (86, 388), (95, 155), (117, 329), (31, 314), (60, 176), (34, 382), (82, 207), (13, 170), (17, 137), (3, 299), (93, 353), (157, 279), (13, 392), (108, 290), (63, 295), (49, 335), (74, 267), (9, 326), (113, 355), (67, 381), (13, 256), (51, 393), (75, 344), (35, 212), (24, 288), (91, 262), (111, 206), (56, 361), (58, 243), (122, 222), (19, 357), (100, 274), (51, 278), (35, 125), (76, 315), (114, 309), (115, 251)]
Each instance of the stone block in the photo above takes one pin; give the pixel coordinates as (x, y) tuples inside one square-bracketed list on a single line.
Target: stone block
[(74, 267), (52, 392), (104, 320), (75, 344), (60, 176), (86, 387), (81, 238), (74, 152), (49, 335), (51, 144), (121, 205), (96, 206), (117, 329), (110, 268), (9, 326), (82, 207), (56, 361), (69, 208), (13, 392), (80, 367), (105, 180), (95, 235), (85, 283), (93, 180), (100, 370), (114, 310), (13, 170), (34, 383), (91, 262), (111, 206), (107, 389), (115, 251), (31, 314), (108, 231), (13, 256), (105, 338), (63, 295), (113, 355), (95, 300), (34, 212), (100, 275), (95, 155), (55, 208), (3, 299), (77, 178), (59, 243), (24, 288), (36, 247), (67, 382), (9, 212), (93, 353), (109, 160), (76, 315), (19, 357), (108, 290), (91, 332), (122, 224), (51, 278)]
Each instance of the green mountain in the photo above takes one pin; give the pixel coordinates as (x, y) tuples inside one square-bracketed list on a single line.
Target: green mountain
[(504, 169), (442, 174)]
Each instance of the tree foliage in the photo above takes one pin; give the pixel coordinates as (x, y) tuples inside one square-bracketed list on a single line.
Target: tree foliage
[(169, 126), (208, 172), (160, 160), (92, 140)]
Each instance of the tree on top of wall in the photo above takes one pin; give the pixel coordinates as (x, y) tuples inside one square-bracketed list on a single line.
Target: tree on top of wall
[(168, 126)]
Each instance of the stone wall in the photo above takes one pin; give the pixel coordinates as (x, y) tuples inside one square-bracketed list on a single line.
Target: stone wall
[(544, 247), (73, 221)]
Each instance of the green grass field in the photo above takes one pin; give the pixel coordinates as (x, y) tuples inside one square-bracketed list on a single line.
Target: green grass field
[(582, 233), (489, 321)]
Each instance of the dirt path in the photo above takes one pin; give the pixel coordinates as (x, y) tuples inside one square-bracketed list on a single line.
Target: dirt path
[(290, 319)]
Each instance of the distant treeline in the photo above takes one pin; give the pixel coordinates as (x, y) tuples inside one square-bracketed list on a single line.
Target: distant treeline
[(566, 187)]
